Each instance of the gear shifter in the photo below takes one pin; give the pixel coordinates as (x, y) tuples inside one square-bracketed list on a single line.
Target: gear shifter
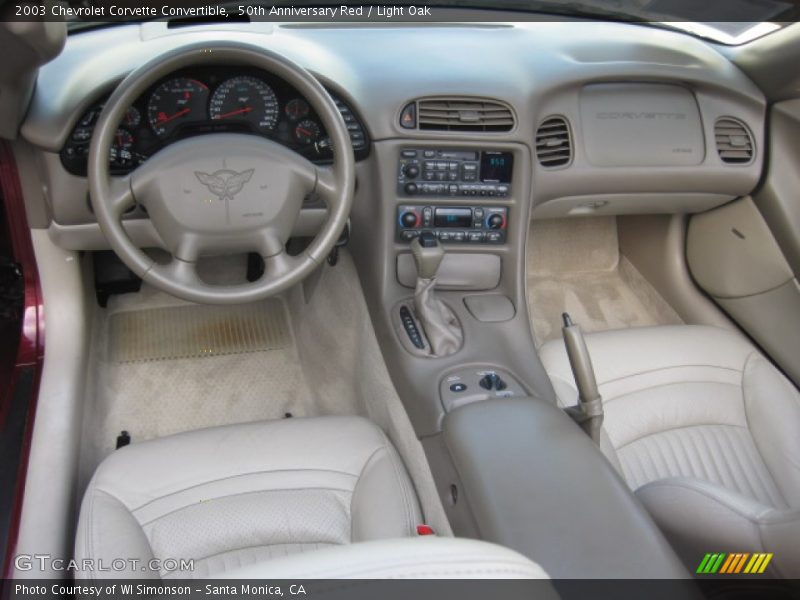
[(440, 324)]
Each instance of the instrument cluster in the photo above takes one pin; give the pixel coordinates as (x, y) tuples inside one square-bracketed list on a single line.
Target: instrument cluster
[(208, 100)]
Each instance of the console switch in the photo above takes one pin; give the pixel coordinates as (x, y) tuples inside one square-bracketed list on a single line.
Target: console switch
[(492, 381)]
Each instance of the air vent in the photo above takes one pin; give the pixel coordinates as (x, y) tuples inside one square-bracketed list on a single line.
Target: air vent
[(553, 143), (734, 142), (463, 114)]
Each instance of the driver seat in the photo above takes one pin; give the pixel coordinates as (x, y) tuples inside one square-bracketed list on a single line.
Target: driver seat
[(302, 497)]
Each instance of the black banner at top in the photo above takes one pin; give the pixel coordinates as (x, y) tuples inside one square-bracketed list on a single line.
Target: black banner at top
[(402, 11)]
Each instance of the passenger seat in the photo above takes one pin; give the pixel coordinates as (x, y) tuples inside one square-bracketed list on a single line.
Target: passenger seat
[(705, 430)]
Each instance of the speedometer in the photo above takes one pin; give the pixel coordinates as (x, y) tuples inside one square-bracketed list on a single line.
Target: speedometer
[(245, 99), (176, 102)]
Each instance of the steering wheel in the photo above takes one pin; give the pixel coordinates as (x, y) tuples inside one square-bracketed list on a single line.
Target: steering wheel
[(222, 192)]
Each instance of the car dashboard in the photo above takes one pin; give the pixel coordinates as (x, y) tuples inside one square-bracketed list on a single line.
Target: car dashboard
[(211, 99)]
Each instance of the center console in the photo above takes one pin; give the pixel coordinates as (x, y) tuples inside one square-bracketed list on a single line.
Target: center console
[(523, 475)]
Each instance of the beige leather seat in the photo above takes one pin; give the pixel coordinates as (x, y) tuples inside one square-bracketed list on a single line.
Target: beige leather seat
[(270, 499), (705, 430)]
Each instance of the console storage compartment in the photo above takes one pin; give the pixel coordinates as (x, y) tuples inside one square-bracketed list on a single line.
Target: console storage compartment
[(535, 482)]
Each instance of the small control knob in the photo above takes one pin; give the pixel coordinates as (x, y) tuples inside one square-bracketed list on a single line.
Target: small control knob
[(410, 188), (492, 381), (409, 219), (495, 221), (411, 171)]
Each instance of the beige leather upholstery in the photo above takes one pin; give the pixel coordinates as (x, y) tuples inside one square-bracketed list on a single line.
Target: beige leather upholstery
[(243, 498), (705, 430)]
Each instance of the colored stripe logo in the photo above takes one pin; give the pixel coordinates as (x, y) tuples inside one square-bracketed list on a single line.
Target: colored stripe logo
[(734, 563)]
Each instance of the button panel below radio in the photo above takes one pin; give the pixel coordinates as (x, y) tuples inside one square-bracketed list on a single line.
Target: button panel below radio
[(453, 224)]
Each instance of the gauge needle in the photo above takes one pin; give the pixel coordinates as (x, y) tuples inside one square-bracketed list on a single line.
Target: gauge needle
[(180, 113), (304, 131), (238, 111)]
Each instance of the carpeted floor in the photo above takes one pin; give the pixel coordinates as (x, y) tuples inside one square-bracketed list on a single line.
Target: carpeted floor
[(574, 266)]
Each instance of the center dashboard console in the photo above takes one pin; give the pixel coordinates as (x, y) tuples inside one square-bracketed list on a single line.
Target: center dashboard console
[(468, 174)]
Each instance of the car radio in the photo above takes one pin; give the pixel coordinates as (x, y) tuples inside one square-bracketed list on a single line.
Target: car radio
[(437, 172), (460, 224)]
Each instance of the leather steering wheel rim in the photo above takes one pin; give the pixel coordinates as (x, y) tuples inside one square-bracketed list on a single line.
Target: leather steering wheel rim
[(111, 197)]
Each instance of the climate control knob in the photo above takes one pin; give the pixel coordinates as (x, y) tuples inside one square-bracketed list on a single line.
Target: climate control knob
[(410, 188), (495, 221), (411, 171), (409, 219)]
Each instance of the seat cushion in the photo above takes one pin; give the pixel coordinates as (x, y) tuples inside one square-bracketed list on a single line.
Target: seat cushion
[(696, 415), (233, 496)]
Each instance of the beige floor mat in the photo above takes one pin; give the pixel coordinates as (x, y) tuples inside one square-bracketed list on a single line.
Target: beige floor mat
[(169, 366), (574, 266)]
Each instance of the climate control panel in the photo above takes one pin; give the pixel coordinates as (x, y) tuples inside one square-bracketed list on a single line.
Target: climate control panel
[(441, 172), (458, 224)]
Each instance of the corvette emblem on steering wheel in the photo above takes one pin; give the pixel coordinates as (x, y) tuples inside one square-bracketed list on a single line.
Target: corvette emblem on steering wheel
[(225, 184)]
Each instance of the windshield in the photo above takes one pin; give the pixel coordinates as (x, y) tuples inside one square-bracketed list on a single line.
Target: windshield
[(726, 21)]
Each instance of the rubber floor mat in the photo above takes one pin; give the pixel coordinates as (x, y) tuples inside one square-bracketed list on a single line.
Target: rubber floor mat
[(197, 331)]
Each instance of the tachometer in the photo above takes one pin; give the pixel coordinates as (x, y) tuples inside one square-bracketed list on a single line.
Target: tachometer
[(176, 102), (246, 99)]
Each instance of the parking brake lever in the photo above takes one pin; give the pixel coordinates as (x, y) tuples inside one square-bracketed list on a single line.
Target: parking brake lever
[(588, 413)]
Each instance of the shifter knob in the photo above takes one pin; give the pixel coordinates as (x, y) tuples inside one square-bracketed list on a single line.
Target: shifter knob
[(428, 254)]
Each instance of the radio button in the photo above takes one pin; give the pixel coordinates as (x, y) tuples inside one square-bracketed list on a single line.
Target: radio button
[(459, 236), (429, 153), (409, 234), (444, 236), (494, 237), (409, 153), (411, 171), (411, 188), (475, 236)]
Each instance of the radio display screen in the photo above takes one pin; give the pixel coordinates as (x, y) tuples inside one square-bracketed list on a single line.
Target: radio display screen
[(453, 217), (496, 167)]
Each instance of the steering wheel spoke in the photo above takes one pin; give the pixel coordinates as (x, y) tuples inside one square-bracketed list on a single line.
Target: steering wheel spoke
[(120, 196), (180, 271), (327, 186)]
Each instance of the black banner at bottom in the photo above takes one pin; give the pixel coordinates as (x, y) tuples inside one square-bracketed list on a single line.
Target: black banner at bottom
[(461, 589)]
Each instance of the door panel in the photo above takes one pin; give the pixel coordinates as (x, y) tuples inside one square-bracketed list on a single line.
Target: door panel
[(735, 258)]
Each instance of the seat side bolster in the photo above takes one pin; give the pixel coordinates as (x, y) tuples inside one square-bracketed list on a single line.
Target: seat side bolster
[(699, 517), (772, 406), (384, 504), (108, 532)]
